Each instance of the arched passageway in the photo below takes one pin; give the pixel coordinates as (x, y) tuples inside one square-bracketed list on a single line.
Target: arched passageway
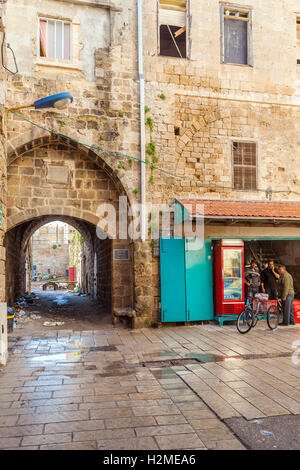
[(53, 180)]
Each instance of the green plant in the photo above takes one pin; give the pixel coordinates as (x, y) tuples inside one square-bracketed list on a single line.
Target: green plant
[(162, 96), (54, 246), (147, 322), (62, 123), (147, 109), (121, 113), (130, 161), (136, 191), (121, 166), (149, 123), (75, 249), (151, 148)]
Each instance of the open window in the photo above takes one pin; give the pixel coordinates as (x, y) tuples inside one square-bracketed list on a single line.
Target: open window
[(55, 39), (236, 36), (172, 28), (244, 155), (298, 40)]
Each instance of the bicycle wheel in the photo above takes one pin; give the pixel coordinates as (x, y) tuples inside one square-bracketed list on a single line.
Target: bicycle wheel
[(273, 317), (245, 321)]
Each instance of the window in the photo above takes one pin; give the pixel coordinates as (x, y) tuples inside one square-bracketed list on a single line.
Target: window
[(55, 39), (298, 40), (172, 28), (236, 34), (244, 165)]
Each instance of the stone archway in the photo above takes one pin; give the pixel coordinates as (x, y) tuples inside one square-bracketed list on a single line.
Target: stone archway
[(50, 179)]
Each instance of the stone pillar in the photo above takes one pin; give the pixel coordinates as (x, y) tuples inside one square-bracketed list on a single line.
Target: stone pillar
[(144, 301), (3, 333)]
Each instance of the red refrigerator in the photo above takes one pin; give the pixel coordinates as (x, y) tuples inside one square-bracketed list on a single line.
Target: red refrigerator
[(229, 289)]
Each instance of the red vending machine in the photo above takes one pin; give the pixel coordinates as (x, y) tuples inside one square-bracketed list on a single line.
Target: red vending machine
[(229, 289), (71, 274)]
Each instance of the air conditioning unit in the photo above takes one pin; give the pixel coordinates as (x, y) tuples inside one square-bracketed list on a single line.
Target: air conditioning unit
[(3, 333)]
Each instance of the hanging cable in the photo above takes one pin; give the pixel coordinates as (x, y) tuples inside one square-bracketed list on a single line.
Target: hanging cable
[(154, 167), (13, 54)]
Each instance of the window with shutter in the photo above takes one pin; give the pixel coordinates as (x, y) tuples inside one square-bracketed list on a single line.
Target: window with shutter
[(244, 156), (236, 28)]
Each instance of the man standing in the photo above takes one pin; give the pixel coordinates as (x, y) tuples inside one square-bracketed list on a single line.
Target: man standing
[(252, 281), (286, 293), (269, 279)]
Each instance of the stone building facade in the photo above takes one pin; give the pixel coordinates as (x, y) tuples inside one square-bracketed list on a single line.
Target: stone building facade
[(50, 249), (207, 107)]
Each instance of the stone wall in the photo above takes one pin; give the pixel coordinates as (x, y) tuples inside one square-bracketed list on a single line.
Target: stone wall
[(198, 106), (49, 260)]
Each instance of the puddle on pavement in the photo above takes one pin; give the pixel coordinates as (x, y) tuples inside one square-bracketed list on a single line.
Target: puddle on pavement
[(57, 357), (160, 374), (60, 300)]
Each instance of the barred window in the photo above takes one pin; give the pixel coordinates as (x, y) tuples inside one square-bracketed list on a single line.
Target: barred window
[(244, 165)]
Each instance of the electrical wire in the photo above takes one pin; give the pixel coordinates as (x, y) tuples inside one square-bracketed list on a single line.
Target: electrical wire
[(13, 54), (151, 165)]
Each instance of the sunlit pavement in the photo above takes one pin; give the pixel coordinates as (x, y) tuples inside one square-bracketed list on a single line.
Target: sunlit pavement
[(165, 388)]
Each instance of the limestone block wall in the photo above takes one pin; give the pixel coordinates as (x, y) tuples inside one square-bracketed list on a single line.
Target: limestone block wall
[(48, 258), (198, 107)]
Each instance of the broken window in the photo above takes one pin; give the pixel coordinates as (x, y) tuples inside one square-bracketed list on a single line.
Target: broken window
[(172, 28), (236, 28), (55, 39), (244, 165), (298, 40)]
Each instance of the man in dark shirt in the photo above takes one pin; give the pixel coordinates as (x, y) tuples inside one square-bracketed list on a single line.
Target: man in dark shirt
[(269, 279), (252, 281)]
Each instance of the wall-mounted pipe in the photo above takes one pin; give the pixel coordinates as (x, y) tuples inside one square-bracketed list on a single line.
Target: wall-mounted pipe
[(143, 213)]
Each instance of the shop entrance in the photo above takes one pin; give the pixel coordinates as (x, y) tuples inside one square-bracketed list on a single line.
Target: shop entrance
[(286, 252)]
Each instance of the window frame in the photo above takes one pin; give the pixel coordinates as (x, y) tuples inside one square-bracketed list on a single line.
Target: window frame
[(297, 40), (188, 28), (244, 141), (63, 21), (241, 9)]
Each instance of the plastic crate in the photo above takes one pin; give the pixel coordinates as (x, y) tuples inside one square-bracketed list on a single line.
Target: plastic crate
[(266, 304)]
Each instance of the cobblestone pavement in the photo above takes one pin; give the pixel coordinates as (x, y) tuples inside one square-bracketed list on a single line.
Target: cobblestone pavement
[(168, 388)]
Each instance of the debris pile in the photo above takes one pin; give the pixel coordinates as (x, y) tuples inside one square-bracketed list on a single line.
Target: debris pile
[(18, 311)]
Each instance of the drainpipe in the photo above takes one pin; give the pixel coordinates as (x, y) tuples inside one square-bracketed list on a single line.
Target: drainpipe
[(142, 120)]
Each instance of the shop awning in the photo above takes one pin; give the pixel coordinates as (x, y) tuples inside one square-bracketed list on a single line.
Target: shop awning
[(229, 209)]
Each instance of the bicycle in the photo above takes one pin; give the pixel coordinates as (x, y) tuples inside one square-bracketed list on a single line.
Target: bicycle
[(249, 317)]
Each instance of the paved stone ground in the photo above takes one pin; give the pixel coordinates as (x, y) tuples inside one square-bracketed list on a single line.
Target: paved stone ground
[(273, 433), (115, 388)]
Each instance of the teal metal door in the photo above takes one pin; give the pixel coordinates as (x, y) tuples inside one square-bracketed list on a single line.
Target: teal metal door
[(199, 279), (172, 275)]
